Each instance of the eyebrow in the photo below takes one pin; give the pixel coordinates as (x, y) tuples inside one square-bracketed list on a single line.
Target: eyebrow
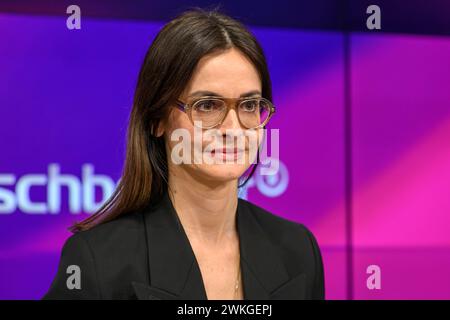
[(201, 93)]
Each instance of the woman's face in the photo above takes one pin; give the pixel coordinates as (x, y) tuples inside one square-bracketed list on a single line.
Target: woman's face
[(226, 151)]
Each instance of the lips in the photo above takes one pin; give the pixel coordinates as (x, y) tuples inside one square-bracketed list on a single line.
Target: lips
[(226, 150)]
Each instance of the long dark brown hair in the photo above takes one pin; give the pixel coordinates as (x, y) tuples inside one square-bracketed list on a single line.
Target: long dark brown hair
[(167, 68)]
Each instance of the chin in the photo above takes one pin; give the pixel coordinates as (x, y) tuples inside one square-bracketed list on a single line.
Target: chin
[(222, 172)]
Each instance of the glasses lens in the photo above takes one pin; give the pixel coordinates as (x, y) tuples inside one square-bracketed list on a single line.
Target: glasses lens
[(254, 112), (208, 111)]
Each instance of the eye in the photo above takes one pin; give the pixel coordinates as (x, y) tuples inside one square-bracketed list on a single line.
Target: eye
[(208, 105), (250, 105)]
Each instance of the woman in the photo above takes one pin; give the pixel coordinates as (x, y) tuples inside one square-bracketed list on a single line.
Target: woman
[(175, 228)]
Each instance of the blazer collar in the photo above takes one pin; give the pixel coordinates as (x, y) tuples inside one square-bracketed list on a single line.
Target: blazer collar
[(175, 273)]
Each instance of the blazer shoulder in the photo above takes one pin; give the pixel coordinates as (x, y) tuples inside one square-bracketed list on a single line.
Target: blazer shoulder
[(115, 230), (295, 244), (294, 241), (106, 256), (277, 227)]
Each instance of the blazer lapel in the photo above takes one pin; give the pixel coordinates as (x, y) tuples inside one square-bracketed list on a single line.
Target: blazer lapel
[(175, 273), (264, 274)]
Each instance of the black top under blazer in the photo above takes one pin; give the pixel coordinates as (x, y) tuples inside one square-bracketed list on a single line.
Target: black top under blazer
[(147, 255)]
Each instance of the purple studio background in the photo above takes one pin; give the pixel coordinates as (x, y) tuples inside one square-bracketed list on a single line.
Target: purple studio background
[(65, 97)]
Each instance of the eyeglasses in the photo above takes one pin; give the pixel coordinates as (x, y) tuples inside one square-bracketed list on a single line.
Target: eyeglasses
[(209, 112)]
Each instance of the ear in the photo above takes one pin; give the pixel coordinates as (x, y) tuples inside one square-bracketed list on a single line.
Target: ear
[(160, 129)]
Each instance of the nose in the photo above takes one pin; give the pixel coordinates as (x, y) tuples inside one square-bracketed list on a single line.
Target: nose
[(231, 130), (231, 121)]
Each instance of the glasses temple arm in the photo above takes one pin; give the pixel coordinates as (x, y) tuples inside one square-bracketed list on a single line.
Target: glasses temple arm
[(180, 105)]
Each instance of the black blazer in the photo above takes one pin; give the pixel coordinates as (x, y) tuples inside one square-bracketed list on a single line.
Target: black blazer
[(147, 255)]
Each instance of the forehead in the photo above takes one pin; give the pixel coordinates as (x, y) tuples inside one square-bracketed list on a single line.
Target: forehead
[(228, 73)]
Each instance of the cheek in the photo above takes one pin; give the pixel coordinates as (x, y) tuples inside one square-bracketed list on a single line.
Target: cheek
[(177, 120), (178, 128), (255, 140)]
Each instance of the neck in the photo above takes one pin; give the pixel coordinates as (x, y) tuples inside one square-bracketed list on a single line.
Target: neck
[(206, 210)]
